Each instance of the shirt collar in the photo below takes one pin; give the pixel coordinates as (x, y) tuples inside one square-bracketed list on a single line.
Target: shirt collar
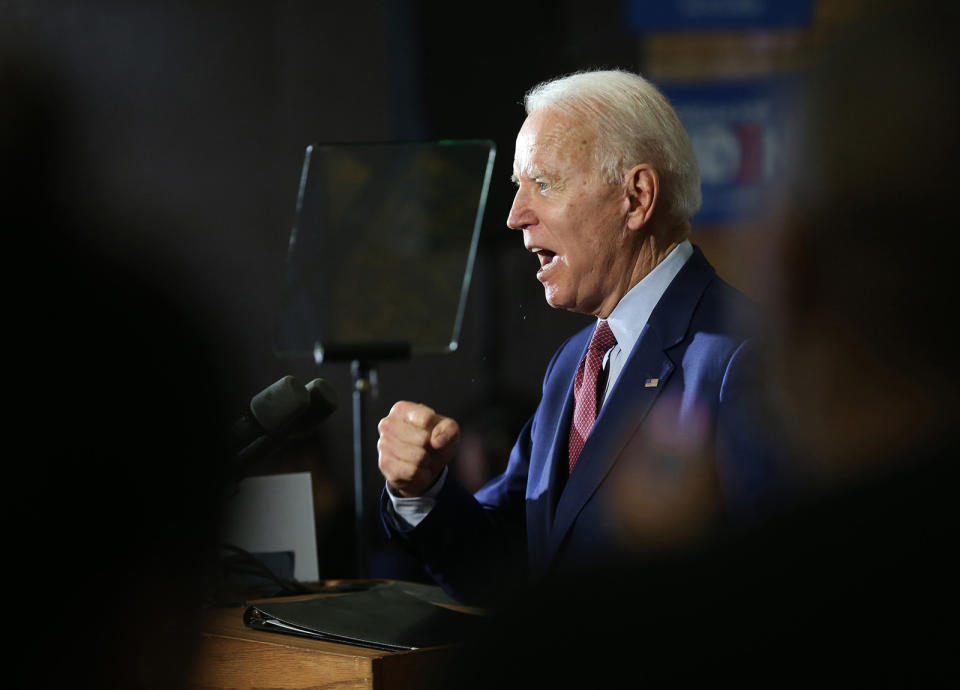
[(633, 310)]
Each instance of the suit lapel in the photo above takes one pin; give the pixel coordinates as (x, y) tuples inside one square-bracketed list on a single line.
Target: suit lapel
[(550, 442), (559, 450), (630, 400)]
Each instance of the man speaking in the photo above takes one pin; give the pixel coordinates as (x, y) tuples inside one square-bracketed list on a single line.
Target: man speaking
[(646, 431)]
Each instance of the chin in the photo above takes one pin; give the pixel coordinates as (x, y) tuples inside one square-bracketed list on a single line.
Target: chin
[(566, 306), (554, 299)]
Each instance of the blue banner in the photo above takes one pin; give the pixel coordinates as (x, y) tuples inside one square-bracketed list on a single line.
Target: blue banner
[(676, 15), (741, 132)]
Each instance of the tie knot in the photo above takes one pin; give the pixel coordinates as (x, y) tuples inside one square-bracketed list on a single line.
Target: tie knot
[(603, 338)]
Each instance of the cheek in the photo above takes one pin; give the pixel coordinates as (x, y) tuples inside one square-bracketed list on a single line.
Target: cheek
[(573, 226)]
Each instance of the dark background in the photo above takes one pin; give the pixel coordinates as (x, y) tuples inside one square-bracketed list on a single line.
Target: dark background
[(182, 125)]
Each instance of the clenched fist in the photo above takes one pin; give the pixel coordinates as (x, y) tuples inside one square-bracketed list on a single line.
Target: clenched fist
[(415, 445)]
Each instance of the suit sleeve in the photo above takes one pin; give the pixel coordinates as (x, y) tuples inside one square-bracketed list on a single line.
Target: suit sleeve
[(475, 546)]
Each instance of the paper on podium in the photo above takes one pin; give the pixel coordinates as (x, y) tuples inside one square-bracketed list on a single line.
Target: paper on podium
[(275, 513), (388, 616)]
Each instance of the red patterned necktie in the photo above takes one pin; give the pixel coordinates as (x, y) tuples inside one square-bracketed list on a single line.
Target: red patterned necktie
[(585, 389)]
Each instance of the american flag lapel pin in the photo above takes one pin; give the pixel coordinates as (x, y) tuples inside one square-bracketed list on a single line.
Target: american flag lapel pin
[(651, 383)]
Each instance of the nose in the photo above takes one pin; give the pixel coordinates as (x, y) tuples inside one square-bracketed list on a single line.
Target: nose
[(521, 215)]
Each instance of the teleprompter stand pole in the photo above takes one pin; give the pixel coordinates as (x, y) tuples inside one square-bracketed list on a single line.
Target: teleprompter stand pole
[(363, 377), (360, 375)]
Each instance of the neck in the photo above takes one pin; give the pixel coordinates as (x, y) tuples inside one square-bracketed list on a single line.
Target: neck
[(647, 252)]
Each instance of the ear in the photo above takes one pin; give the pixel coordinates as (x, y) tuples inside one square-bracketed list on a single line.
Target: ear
[(643, 190)]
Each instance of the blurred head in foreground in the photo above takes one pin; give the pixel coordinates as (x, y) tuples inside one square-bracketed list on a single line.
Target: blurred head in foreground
[(115, 384), (868, 370)]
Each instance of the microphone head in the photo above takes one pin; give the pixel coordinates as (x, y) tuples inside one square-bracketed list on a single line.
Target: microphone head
[(323, 401), (323, 398), (279, 403)]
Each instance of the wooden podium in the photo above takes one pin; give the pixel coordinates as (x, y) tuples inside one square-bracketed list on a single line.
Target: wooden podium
[(233, 656)]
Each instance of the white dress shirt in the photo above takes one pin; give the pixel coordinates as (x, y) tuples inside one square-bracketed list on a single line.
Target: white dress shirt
[(626, 321), (632, 312)]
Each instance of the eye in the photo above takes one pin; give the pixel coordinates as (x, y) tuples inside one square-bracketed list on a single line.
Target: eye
[(544, 186)]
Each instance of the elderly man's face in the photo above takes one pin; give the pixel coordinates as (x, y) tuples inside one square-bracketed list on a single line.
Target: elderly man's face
[(572, 221)]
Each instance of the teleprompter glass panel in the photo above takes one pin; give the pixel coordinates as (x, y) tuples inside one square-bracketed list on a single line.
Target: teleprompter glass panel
[(382, 249)]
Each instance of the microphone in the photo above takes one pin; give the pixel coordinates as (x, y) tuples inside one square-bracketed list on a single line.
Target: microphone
[(284, 411), (323, 403), (270, 409)]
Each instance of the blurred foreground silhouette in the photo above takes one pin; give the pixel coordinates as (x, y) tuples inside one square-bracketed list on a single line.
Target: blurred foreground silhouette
[(115, 377)]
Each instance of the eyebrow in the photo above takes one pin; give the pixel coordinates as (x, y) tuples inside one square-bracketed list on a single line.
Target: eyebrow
[(531, 174)]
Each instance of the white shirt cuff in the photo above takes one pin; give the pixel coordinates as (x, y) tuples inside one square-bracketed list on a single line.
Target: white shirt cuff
[(409, 512)]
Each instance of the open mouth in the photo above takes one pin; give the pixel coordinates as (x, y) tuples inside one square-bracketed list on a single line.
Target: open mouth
[(545, 256)]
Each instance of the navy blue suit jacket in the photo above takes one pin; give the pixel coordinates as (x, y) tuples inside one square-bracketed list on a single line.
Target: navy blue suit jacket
[(690, 381)]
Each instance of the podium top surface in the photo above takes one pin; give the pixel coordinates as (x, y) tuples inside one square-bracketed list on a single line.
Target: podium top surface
[(232, 655)]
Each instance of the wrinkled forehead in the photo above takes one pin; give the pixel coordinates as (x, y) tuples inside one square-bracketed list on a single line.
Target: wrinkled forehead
[(550, 139)]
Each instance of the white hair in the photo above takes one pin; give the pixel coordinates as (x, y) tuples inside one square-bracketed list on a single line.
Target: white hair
[(633, 123)]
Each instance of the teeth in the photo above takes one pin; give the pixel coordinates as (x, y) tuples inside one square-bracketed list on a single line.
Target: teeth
[(536, 249)]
